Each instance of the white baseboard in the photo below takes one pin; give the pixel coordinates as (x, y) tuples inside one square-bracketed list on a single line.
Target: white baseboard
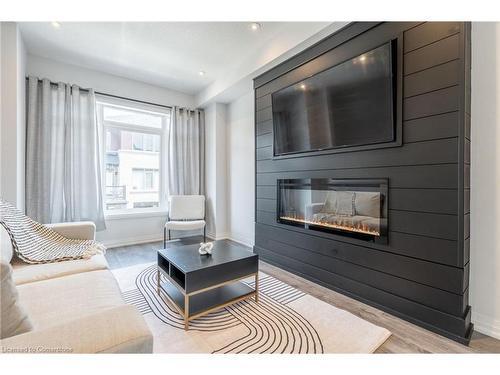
[(213, 237), (241, 242), (486, 325), (131, 241), (146, 239)]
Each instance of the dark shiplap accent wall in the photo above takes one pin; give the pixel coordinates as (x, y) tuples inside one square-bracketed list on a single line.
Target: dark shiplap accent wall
[(422, 274)]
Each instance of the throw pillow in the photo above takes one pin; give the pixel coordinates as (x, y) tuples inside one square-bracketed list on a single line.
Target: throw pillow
[(330, 205), (345, 203), (367, 203), (13, 319)]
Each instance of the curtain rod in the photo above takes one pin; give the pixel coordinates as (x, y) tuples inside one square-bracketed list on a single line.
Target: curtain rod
[(113, 96)]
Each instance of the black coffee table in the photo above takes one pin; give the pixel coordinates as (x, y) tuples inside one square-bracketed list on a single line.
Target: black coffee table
[(198, 284)]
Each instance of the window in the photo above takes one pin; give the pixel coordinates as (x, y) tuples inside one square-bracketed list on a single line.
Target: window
[(145, 179), (133, 154)]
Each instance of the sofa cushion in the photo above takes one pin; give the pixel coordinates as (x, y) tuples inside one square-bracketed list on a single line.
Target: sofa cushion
[(55, 301), (28, 273), (120, 329), (13, 318), (367, 203)]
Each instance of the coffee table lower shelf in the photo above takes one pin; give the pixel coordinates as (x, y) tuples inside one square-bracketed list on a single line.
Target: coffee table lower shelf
[(202, 303)]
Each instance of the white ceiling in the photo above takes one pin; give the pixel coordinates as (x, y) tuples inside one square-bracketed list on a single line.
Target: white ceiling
[(168, 54)]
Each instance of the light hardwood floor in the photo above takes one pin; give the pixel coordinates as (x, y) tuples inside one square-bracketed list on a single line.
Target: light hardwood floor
[(406, 337)]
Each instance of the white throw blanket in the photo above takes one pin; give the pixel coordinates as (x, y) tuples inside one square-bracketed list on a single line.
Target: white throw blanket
[(36, 243)]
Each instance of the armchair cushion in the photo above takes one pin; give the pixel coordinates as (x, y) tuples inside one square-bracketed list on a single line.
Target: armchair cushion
[(185, 225), (186, 207)]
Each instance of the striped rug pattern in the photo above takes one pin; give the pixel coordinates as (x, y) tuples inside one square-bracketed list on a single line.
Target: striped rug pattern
[(285, 320)]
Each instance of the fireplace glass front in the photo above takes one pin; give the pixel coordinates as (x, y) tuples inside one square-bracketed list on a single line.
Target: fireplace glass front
[(352, 208)]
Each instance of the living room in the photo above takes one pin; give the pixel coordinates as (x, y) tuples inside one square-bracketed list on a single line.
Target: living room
[(282, 184)]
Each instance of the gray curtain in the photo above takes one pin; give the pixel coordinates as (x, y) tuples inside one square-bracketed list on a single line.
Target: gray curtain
[(63, 169), (186, 152)]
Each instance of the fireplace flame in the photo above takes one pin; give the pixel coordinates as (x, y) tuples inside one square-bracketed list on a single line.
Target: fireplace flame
[(341, 224)]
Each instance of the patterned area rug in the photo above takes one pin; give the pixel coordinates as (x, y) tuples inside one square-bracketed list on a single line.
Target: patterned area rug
[(285, 320)]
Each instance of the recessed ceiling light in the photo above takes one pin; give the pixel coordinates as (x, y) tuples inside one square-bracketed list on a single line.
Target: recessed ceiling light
[(362, 58), (55, 25), (255, 26), (303, 86), (201, 73)]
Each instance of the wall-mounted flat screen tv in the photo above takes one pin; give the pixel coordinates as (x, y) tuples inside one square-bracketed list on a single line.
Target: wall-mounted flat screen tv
[(350, 104)]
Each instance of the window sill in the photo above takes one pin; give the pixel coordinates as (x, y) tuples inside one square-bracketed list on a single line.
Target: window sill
[(135, 215)]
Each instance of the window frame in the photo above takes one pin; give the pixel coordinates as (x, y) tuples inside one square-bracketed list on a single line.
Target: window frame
[(131, 105)]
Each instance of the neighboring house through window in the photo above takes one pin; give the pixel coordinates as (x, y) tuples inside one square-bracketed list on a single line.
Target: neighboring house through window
[(133, 154)]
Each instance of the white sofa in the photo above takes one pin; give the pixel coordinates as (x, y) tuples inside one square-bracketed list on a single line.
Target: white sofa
[(75, 306)]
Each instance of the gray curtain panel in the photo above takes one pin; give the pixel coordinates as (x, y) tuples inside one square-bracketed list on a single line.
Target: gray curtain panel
[(63, 169), (186, 152)]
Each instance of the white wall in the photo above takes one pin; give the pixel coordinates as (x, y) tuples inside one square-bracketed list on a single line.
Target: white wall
[(216, 169), (238, 79), (484, 287), (13, 55), (121, 230), (241, 169), (106, 83)]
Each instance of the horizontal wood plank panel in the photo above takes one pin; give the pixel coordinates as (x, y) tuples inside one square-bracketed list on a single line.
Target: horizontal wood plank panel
[(442, 151), (268, 205), (433, 103), (466, 201), (264, 153), (432, 79), (387, 301), (440, 176), (433, 54), (426, 214), (264, 140), (427, 33), (467, 126), (263, 115), (421, 271), (433, 297), (417, 223), (440, 201), (466, 151), (268, 192), (424, 224), (466, 226), (428, 248), (264, 127), (466, 176), (432, 127), (263, 102)]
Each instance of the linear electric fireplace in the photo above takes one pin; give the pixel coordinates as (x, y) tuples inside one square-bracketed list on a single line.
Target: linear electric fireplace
[(352, 208)]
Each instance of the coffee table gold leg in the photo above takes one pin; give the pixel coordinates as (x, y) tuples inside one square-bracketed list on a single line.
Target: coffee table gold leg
[(186, 312), (256, 287)]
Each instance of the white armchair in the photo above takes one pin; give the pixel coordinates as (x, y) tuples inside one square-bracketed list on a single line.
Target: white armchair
[(185, 212)]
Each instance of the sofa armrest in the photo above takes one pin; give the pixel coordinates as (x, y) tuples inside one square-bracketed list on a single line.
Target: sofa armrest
[(78, 230), (118, 330)]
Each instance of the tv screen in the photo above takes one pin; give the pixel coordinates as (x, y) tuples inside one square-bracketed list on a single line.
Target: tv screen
[(349, 104)]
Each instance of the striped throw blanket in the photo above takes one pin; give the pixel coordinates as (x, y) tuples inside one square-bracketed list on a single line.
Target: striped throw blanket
[(35, 243)]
